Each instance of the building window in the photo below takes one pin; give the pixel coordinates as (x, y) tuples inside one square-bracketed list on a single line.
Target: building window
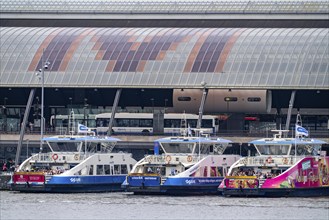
[(230, 99), (184, 99), (254, 99)]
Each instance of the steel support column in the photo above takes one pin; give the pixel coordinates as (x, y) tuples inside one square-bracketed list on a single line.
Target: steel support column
[(114, 109), (23, 126)]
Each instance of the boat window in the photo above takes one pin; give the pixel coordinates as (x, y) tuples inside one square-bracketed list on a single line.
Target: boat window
[(204, 149), (91, 170), (305, 150), (64, 146), (99, 170), (178, 147), (107, 169), (116, 169), (124, 169), (273, 149)]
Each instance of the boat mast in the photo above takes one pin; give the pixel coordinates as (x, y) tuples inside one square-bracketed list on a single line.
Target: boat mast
[(72, 123)]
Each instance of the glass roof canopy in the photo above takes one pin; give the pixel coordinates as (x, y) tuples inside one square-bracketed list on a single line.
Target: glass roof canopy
[(166, 7)]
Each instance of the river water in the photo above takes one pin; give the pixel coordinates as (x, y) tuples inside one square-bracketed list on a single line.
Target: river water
[(16, 205)]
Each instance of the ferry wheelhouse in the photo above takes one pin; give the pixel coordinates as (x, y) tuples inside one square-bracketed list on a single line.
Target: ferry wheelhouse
[(74, 163), (186, 165), (282, 167)]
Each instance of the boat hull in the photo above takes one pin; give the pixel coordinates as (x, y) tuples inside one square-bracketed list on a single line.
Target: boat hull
[(172, 186), (285, 192), (70, 184)]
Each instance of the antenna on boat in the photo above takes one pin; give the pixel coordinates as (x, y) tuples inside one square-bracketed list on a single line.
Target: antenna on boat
[(72, 123), (183, 124)]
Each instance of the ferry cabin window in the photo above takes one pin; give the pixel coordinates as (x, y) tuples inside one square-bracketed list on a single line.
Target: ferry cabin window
[(91, 170), (99, 170), (273, 149), (116, 169), (204, 149), (107, 169), (64, 146), (124, 169), (178, 147), (304, 150)]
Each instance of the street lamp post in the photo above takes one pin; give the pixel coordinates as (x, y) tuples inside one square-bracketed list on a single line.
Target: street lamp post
[(44, 66)]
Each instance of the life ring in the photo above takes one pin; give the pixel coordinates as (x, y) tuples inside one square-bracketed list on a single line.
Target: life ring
[(269, 160), (168, 158), (76, 157), (285, 160), (55, 156), (189, 158)]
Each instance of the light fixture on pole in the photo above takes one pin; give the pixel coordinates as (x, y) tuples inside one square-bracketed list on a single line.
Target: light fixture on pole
[(40, 75)]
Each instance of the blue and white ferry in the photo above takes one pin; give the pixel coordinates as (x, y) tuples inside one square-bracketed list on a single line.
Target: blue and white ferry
[(181, 165), (74, 163)]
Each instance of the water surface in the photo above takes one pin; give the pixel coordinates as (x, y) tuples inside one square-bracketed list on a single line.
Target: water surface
[(16, 205)]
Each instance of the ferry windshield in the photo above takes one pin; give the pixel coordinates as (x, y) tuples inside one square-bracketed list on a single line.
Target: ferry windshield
[(305, 150), (178, 147), (273, 149), (65, 146)]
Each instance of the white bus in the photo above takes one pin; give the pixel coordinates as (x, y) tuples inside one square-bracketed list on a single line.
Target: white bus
[(143, 123)]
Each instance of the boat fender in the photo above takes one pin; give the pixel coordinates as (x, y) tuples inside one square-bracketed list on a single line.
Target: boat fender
[(55, 156), (285, 160), (269, 160), (189, 158), (76, 157), (168, 158)]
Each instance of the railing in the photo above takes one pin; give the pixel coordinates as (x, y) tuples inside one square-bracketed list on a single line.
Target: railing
[(163, 7), (231, 133), (173, 158), (270, 160)]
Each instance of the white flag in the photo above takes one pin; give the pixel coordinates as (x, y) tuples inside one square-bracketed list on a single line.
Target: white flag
[(189, 131), (82, 128), (301, 131)]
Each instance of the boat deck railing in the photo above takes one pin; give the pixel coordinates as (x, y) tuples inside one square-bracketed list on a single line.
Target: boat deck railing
[(173, 158), (69, 157), (270, 161)]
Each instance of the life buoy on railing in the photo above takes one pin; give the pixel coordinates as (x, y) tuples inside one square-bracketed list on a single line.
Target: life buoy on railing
[(168, 158), (76, 157), (269, 160), (55, 156), (285, 160), (189, 158)]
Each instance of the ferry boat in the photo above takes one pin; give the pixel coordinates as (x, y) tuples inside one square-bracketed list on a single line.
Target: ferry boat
[(284, 167), (186, 165), (74, 163)]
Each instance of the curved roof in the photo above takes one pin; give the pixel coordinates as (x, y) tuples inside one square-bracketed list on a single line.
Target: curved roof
[(166, 57)]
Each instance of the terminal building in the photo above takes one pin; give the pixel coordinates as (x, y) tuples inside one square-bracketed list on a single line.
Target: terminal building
[(254, 60)]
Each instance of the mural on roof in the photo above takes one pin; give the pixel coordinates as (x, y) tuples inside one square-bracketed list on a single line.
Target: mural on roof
[(132, 49)]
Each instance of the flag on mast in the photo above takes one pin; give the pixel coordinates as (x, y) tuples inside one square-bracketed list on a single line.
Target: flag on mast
[(301, 131), (82, 128)]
